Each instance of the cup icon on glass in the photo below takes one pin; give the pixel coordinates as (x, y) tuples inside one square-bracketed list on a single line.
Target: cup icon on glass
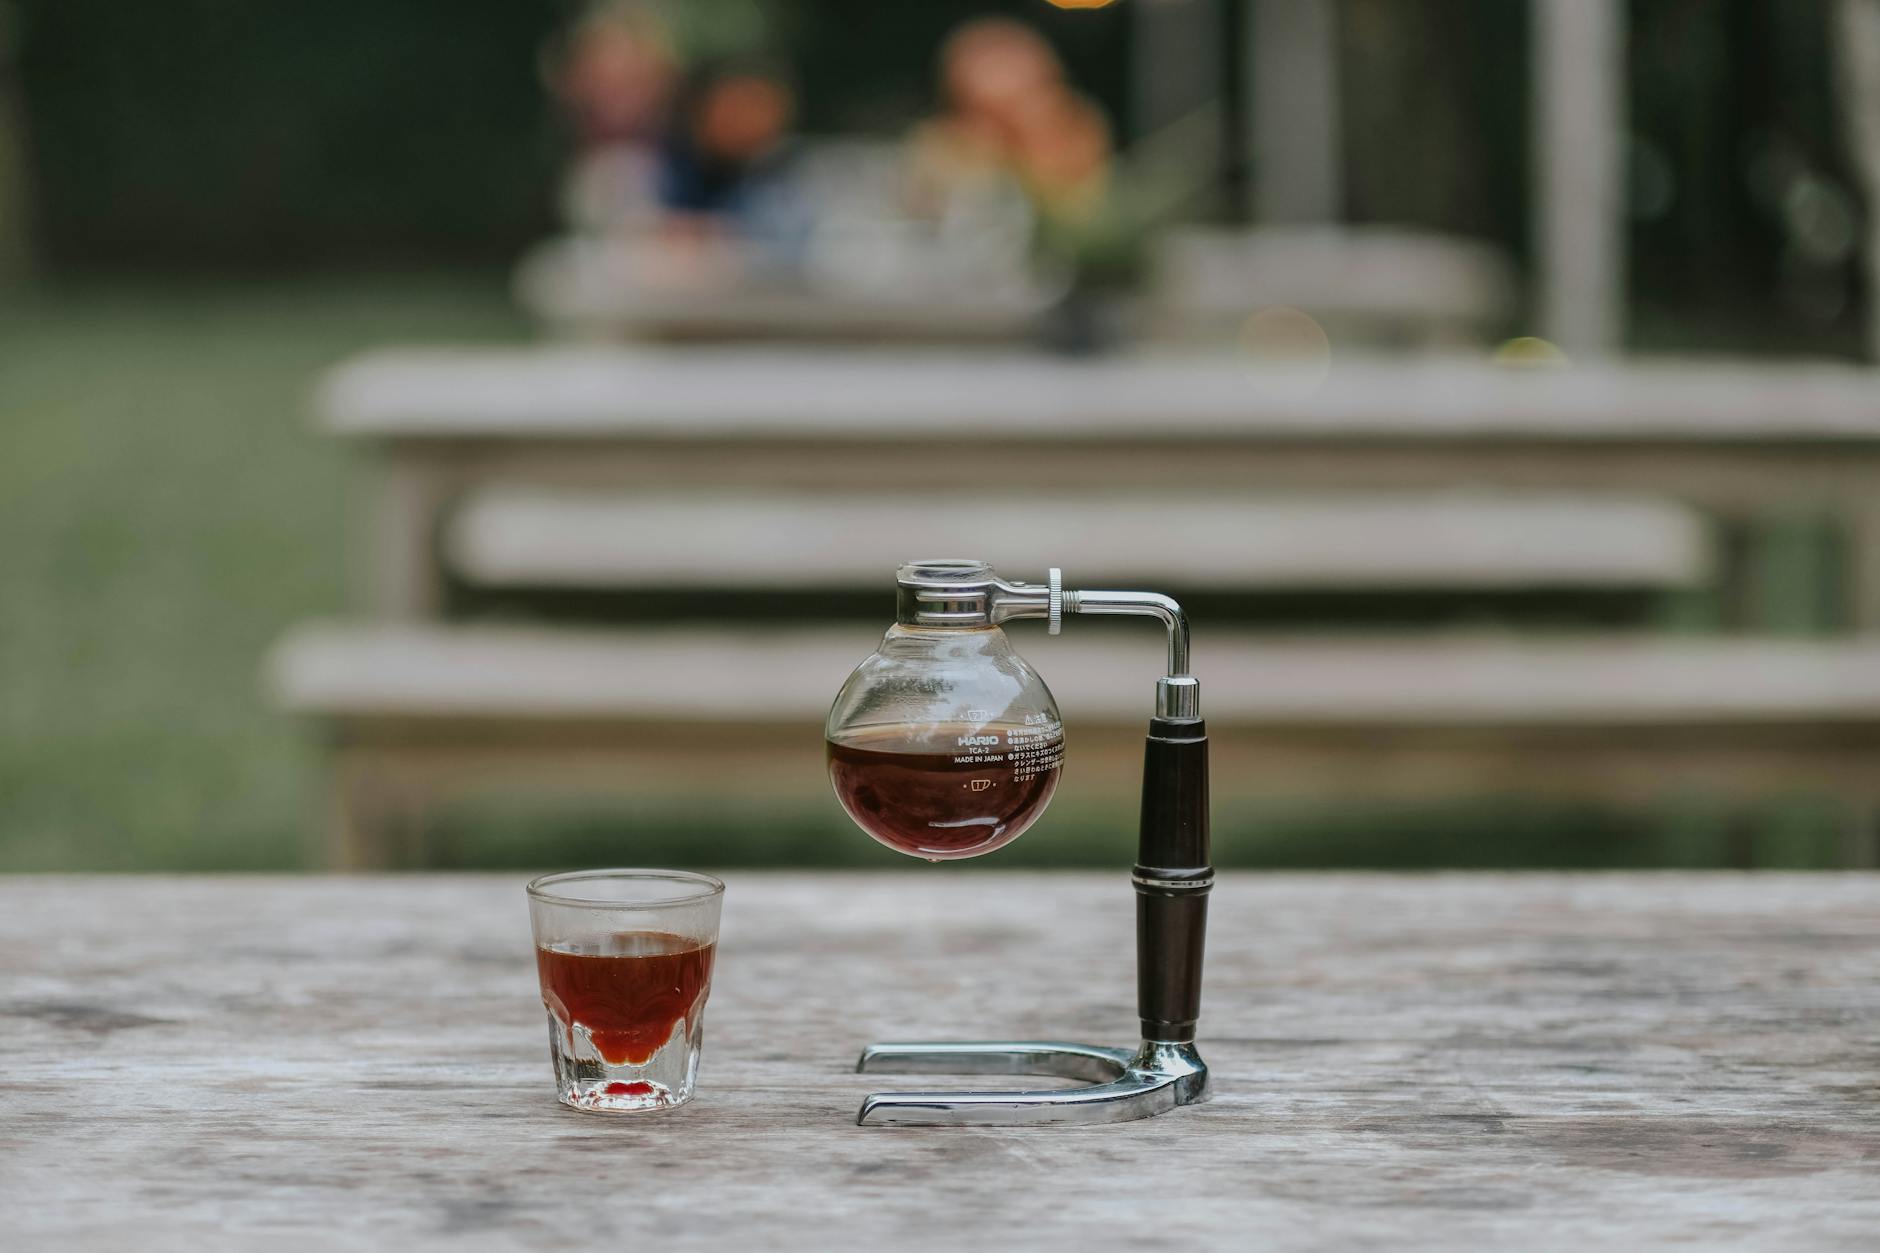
[(625, 960)]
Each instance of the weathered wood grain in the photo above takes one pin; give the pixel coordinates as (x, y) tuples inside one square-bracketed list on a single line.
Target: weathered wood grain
[(1185, 399), (1444, 1061), (1740, 443), (522, 537)]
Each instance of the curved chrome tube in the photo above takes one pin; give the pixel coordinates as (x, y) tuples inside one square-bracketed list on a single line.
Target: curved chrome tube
[(1141, 604), (1177, 695), (1119, 1085)]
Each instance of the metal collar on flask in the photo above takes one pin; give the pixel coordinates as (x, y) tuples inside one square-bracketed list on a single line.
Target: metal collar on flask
[(963, 593), (945, 592)]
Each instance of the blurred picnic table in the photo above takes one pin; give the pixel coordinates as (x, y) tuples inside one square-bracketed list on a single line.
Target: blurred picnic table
[(1738, 440), (1739, 495), (1432, 1061)]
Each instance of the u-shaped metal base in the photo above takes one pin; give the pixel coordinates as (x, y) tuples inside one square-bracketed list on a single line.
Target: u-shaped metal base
[(1121, 1085)]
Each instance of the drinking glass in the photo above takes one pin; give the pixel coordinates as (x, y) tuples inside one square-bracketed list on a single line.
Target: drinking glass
[(625, 960)]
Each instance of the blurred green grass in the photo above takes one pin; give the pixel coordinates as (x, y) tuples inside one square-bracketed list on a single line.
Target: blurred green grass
[(166, 511)]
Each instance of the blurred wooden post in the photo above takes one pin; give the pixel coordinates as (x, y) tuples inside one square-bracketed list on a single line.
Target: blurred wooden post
[(1578, 137), (406, 582), (358, 817), (1292, 57), (1860, 836), (1862, 521), (1857, 56)]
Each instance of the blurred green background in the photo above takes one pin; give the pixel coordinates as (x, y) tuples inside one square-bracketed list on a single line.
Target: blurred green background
[(271, 137), (167, 512), (205, 202)]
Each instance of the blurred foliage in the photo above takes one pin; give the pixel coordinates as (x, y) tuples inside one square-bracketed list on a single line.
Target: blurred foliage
[(15, 241), (1435, 117), (250, 133), (868, 67), (264, 134), (246, 134), (1743, 202), (168, 512)]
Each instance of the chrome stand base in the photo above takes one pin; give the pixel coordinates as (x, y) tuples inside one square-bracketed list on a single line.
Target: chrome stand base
[(1122, 1085)]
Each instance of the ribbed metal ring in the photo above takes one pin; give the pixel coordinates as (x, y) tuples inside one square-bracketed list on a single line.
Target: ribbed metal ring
[(1198, 881)]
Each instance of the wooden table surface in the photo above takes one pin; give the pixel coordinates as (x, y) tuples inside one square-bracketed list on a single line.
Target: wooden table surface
[(586, 394), (1446, 1061)]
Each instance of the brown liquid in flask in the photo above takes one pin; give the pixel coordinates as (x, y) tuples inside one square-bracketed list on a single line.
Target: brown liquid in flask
[(963, 791)]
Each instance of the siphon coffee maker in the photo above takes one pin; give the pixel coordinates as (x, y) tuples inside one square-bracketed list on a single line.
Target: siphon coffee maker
[(944, 744)]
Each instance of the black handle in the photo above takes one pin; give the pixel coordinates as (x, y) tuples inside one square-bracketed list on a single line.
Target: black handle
[(1173, 878)]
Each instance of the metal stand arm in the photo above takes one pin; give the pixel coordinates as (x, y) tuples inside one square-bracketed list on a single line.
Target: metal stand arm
[(1121, 1086)]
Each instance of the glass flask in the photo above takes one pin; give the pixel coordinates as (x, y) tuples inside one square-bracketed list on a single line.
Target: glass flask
[(945, 743)]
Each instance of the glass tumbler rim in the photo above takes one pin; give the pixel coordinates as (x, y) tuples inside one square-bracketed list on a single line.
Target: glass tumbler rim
[(708, 885)]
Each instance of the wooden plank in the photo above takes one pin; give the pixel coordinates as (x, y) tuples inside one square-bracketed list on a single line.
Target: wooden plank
[(412, 776), (520, 536), (407, 582), (720, 395), (1211, 279), (1743, 477), (790, 675), (418, 718), (1483, 1061)]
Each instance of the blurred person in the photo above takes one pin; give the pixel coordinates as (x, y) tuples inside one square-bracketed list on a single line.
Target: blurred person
[(614, 77), (726, 142), (1016, 164), (1009, 116), (989, 70), (1063, 150), (732, 210)]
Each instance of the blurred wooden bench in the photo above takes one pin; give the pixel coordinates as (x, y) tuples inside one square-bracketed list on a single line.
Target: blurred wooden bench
[(746, 468), (1375, 283), (592, 538), (1739, 443), (417, 714)]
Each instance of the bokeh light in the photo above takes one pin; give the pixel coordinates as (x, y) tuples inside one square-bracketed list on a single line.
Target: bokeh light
[(1530, 352), (1288, 336)]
